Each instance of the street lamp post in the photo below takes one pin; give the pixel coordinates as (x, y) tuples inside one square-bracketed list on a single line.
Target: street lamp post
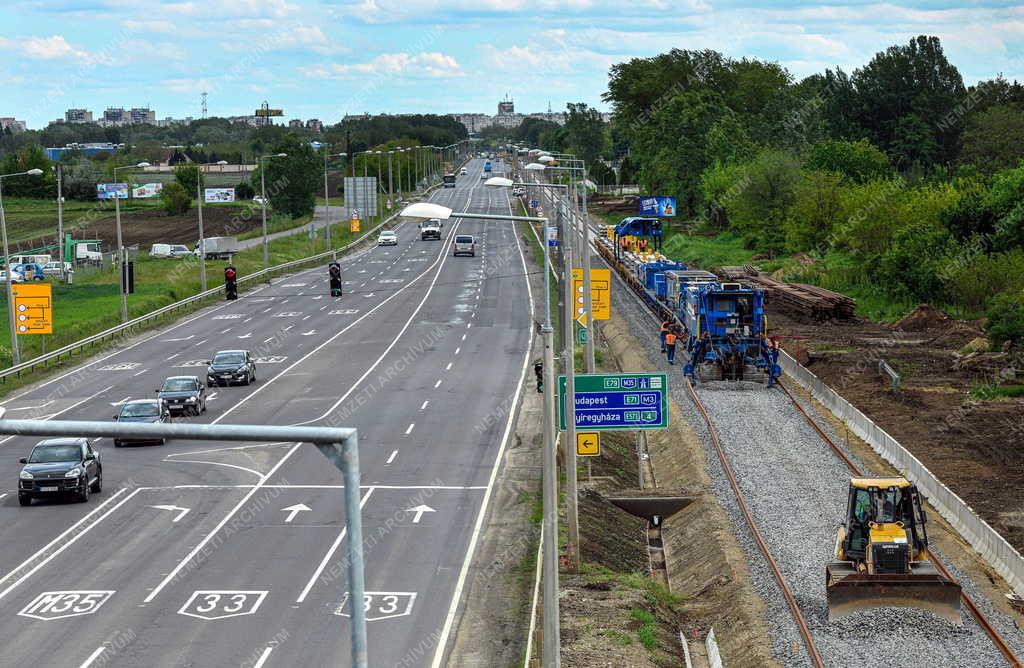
[(263, 207), (199, 209), (11, 317), (551, 631), (60, 221), (327, 196), (121, 256)]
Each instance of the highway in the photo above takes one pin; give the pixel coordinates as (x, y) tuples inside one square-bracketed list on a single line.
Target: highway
[(203, 554)]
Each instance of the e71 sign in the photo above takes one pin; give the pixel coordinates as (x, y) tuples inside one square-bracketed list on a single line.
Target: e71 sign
[(606, 402)]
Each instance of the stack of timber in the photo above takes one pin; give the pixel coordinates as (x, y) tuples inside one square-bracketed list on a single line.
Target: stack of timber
[(799, 299)]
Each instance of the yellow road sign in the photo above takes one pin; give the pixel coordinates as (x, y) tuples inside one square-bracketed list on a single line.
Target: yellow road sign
[(33, 308), (600, 294), (353, 225), (588, 444)]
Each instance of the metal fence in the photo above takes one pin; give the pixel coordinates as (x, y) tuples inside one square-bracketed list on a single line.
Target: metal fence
[(1007, 561)]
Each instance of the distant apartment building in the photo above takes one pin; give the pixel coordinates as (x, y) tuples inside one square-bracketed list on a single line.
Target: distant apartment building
[(12, 124), (78, 116), (114, 115), (295, 123), (315, 125), (142, 115), (168, 122)]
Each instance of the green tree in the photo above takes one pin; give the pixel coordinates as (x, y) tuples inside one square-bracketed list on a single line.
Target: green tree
[(858, 161), (1006, 318), (79, 178), (175, 199), (816, 211), (292, 181), (761, 206), (585, 131), (910, 266), (29, 157), (994, 139), (188, 175)]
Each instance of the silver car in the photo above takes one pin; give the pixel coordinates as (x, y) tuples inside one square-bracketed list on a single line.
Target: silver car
[(464, 245)]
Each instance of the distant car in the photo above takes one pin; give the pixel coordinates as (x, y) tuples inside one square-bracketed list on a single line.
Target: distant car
[(387, 238), (183, 393), (484, 175), (169, 250), (142, 410), (60, 466), (463, 172), (431, 229), (259, 200), (53, 268), (518, 191), (231, 366), (464, 245)]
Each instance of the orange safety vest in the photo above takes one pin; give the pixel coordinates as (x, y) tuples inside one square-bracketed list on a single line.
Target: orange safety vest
[(664, 326), (670, 339)]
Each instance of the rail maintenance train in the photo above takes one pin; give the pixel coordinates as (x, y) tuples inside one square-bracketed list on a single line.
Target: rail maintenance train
[(723, 324)]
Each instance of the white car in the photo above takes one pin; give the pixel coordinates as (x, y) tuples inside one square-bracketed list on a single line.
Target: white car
[(53, 268), (463, 172), (387, 238)]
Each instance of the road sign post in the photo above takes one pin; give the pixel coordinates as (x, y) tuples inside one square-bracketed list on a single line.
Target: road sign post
[(607, 402)]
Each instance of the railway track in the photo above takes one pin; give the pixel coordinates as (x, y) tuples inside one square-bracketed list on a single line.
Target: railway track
[(658, 312)]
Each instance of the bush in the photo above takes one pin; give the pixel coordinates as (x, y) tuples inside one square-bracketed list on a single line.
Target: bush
[(1006, 318), (244, 191), (858, 161), (175, 199)]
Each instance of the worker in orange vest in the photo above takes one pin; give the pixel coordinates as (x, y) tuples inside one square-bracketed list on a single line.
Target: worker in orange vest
[(664, 330), (670, 345)]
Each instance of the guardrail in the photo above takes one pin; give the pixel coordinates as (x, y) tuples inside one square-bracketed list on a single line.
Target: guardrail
[(1007, 561), (80, 345)]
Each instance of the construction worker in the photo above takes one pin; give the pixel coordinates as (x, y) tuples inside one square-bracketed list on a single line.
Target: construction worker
[(664, 330), (670, 345)]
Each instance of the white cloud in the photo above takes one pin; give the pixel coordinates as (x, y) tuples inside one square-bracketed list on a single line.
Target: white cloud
[(150, 26), (423, 64), (51, 47)]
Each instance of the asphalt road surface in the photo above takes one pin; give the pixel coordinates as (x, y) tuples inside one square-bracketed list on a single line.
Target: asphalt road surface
[(211, 554)]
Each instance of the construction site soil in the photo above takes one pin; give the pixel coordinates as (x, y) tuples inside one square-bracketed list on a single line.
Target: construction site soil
[(973, 444), (144, 228)]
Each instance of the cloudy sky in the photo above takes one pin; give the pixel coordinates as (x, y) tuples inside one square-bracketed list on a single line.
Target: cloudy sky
[(326, 58)]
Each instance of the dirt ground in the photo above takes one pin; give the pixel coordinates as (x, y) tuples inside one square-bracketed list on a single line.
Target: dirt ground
[(148, 227), (974, 446)]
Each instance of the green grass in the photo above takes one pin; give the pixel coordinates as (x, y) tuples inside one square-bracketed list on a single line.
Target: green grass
[(276, 222), (647, 632), (989, 391)]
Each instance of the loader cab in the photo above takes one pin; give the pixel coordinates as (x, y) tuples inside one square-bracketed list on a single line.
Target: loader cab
[(880, 502)]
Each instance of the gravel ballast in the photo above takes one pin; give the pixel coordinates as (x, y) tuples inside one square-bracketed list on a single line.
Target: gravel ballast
[(796, 489)]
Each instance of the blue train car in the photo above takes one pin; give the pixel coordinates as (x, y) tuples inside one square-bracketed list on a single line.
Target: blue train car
[(726, 333), (652, 276)]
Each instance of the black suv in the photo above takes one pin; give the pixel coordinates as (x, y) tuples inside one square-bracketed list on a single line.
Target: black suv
[(60, 466), (183, 393), (142, 410), (231, 366)]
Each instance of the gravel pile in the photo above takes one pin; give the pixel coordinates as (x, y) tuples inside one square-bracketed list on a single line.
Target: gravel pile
[(796, 490)]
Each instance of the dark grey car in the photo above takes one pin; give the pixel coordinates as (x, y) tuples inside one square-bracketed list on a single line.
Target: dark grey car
[(183, 393), (229, 367), (142, 410), (60, 466)]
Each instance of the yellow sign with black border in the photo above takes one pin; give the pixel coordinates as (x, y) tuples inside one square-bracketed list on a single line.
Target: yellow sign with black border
[(588, 444)]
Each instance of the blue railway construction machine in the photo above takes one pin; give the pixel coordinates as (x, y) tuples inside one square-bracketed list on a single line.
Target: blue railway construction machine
[(722, 324)]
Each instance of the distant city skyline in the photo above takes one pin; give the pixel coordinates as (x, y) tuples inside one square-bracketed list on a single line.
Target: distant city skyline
[(328, 58)]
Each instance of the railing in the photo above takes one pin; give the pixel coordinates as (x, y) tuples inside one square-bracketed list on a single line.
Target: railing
[(80, 345), (993, 548)]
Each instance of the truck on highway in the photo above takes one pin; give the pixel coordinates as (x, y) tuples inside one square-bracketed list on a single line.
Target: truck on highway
[(430, 229), (449, 180), (487, 166), (218, 248)]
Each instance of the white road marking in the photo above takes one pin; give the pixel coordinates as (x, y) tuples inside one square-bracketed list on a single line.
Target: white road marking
[(178, 510), (394, 453), (330, 553), (268, 309), (323, 307), (295, 510), (307, 317), (66, 545), (6, 493), (457, 350), (263, 658), (61, 412), (424, 406), (409, 430), (138, 374), (463, 337), (36, 407), (230, 466), (309, 333), (225, 331), (168, 359), (199, 343), (220, 525), (449, 367), (418, 512), (437, 384), (468, 325), (245, 336), (442, 643), (92, 657), (268, 340)]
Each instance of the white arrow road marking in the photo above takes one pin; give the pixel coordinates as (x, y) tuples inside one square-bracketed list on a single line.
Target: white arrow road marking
[(318, 297), (120, 403), (309, 333), (212, 397), (29, 408), (368, 295), (245, 336), (294, 510), (419, 510), (225, 331), (174, 509), (183, 338)]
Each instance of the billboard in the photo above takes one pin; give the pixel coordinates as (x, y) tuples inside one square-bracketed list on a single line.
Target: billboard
[(111, 190), (212, 195), (361, 196), (657, 206), (147, 190)]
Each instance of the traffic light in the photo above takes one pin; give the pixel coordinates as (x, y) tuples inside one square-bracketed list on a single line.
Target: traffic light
[(128, 277), (538, 370), (230, 282), (334, 269)]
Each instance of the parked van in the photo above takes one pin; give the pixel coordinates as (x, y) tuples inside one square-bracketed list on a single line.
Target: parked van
[(169, 250)]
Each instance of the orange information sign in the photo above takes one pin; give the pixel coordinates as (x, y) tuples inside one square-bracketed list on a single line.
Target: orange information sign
[(33, 308)]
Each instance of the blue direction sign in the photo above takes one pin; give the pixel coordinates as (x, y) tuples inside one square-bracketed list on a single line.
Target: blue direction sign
[(617, 401), (533, 204)]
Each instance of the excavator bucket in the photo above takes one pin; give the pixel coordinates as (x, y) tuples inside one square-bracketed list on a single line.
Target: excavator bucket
[(849, 591)]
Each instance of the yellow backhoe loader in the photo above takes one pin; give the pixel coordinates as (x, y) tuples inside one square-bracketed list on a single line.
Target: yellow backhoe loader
[(881, 554)]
